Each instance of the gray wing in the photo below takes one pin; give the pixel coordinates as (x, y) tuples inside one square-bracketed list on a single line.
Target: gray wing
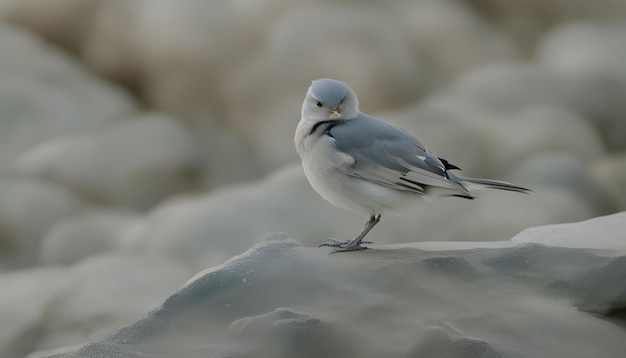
[(393, 157)]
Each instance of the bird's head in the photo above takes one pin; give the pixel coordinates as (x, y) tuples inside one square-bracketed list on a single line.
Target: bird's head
[(329, 99)]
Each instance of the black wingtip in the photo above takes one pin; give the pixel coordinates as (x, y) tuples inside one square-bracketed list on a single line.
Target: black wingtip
[(518, 189), (449, 166), (464, 196)]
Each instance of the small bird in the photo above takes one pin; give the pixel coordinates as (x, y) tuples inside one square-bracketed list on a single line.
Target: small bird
[(364, 164)]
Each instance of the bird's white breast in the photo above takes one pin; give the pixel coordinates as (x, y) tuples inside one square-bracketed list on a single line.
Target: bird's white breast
[(327, 170)]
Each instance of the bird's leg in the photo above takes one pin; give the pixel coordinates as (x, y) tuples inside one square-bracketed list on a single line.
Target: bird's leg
[(354, 244)]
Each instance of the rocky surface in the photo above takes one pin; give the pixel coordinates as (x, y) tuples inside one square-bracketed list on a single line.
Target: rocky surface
[(534, 296)]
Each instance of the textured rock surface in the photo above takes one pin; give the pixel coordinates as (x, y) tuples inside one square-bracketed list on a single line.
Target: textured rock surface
[(512, 299), (28, 209), (152, 156), (83, 235)]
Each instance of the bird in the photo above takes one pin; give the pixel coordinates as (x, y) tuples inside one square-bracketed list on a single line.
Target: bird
[(366, 165)]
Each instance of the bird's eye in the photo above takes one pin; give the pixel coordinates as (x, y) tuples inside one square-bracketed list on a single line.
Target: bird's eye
[(318, 103), (343, 99)]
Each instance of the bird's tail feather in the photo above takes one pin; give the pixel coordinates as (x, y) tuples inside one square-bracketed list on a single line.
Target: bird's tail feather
[(477, 183)]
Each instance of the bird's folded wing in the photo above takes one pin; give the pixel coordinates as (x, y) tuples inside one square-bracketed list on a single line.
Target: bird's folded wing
[(385, 165), (392, 157)]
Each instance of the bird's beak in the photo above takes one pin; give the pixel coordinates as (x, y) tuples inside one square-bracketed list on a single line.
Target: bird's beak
[(335, 113)]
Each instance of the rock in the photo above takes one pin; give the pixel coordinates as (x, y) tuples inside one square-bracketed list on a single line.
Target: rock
[(178, 52), (153, 157), (23, 303), (173, 67), (28, 209), (226, 159), (84, 235), (450, 38), (65, 22), (291, 334), (493, 215), (561, 170), (515, 88), (611, 171), (45, 94), (538, 130), (207, 229), (486, 141), (510, 87), (592, 56), (516, 303), (604, 233), (102, 293), (438, 343), (585, 47), (526, 21)]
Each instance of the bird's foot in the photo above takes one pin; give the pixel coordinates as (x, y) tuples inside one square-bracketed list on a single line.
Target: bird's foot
[(345, 245)]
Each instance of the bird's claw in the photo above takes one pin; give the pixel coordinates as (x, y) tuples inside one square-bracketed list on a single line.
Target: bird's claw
[(345, 245)]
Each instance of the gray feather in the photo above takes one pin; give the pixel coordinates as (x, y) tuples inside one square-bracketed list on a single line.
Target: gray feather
[(329, 92), (493, 184), (391, 156)]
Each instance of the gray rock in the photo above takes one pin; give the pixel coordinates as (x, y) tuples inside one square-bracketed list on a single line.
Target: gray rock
[(65, 22), (45, 94), (237, 216), (28, 209), (23, 303), (102, 293), (563, 171), (86, 234), (450, 38), (605, 233), (486, 140), (437, 343), (388, 301), (233, 218), (153, 157), (286, 333), (611, 172), (592, 56)]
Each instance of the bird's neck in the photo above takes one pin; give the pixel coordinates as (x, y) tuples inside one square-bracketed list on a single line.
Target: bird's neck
[(309, 131), (302, 138)]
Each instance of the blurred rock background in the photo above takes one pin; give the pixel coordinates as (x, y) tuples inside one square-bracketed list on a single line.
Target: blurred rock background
[(155, 136)]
